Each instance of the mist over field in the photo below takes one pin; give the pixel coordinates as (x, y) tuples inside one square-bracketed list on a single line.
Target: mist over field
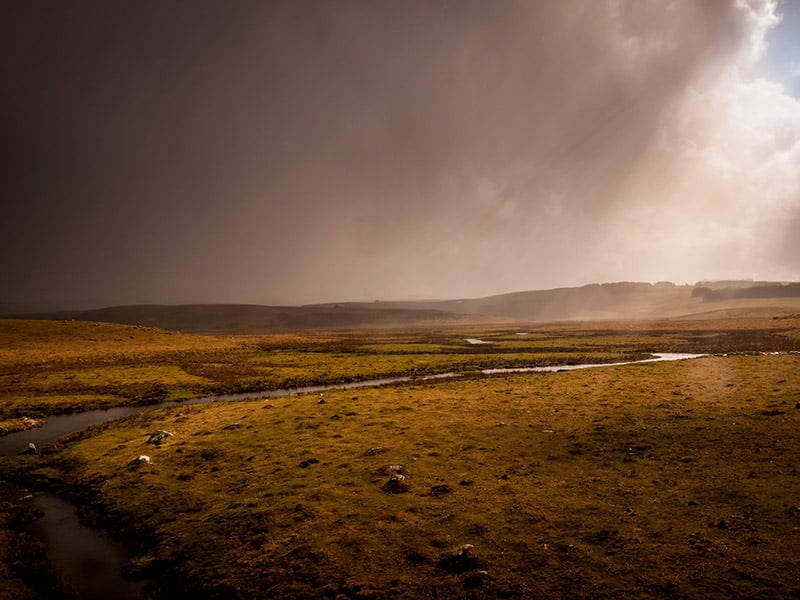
[(302, 152)]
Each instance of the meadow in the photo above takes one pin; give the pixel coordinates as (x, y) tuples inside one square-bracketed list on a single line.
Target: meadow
[(655, 480)]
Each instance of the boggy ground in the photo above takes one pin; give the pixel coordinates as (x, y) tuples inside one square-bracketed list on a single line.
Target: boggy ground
[(51, 367), (657, 480)]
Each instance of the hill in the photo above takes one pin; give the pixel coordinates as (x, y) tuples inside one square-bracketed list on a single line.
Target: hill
[(250, 318), (622, 300)]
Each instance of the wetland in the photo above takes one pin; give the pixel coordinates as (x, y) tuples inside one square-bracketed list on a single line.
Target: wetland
[(658, 479)]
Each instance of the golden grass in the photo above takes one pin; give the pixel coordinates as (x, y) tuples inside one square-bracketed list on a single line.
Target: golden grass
[(655, 480), (674, 479), (24, 341), (50, 367)]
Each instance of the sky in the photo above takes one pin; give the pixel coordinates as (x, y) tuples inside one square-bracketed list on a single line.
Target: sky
[(297, 152)]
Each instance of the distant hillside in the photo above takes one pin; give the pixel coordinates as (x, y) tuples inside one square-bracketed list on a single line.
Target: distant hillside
[(596, 301), (761, 290), (210, 318), (625, 300)]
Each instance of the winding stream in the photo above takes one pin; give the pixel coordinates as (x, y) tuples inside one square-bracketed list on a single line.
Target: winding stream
[(60, 425), (87, 560)]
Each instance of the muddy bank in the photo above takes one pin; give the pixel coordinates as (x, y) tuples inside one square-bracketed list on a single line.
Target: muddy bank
[(21, 424)]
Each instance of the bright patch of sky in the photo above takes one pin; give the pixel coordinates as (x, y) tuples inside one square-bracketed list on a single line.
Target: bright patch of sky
[(782, 59)]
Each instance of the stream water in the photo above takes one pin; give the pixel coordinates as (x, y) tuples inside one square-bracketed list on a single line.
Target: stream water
[(60, 425), (87, 560)]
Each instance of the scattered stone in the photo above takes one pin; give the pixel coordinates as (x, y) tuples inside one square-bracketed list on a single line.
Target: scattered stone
[(376, 450), (397, 484), (232, 426), (439, 490), (465, 550), (308, 462), (321, 400), (137, 462), (158, 436), (32, 448)]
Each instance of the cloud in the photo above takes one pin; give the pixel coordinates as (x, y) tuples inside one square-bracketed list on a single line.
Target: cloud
[(299, 152), (720, 193)]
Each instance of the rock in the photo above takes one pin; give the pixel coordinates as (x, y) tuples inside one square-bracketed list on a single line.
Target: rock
[(465, 550), (398, 479), (391, 470), (32, 448), (376, 450), (137, 462), (158, 436), (397, 484)]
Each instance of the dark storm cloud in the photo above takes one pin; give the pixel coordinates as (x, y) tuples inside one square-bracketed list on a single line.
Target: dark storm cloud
[(304, 151)]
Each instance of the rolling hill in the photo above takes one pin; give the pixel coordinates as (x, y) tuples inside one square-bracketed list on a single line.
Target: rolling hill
[(622, 300)]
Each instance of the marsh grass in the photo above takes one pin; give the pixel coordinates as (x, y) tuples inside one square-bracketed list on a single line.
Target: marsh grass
[(670, 479), (654, 480), (82, 366)]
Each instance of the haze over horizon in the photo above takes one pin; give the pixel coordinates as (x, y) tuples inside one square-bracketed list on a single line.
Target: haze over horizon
[(301, 152)]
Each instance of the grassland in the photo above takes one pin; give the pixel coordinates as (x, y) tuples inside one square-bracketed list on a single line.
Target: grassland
[(59, 367), (664, 480)]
